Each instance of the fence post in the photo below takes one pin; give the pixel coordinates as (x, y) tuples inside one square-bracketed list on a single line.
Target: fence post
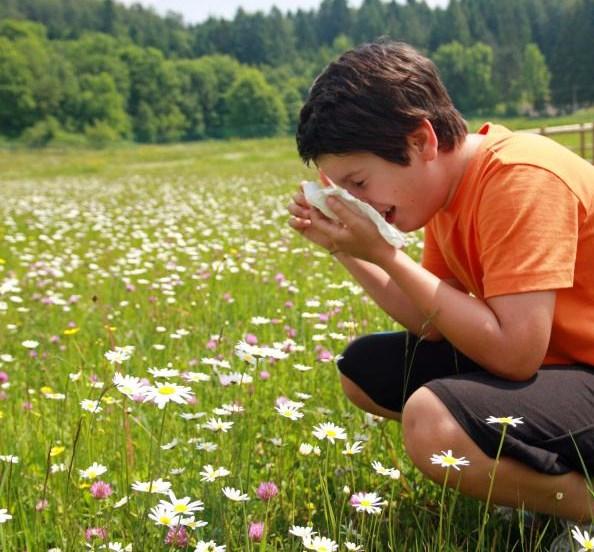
[(582, 141)]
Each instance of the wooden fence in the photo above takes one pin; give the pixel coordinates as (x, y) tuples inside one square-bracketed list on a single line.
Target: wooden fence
[(584, 146)]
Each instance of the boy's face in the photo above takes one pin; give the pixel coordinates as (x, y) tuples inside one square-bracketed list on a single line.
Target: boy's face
[(406, 196)]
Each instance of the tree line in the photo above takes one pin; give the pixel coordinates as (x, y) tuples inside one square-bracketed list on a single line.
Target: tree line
[(98, 69)]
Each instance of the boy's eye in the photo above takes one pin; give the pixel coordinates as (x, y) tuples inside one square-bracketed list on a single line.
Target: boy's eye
[(359, 184)]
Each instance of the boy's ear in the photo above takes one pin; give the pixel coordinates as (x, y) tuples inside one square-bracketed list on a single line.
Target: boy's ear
[(423, 141)]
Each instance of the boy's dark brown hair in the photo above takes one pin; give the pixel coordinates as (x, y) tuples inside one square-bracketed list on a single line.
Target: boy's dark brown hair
[(371, 99)]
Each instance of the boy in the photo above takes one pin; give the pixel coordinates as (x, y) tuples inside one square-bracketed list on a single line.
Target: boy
[(500, 315)]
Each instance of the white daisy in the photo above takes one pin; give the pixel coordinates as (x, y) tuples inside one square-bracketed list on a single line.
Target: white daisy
[(505, 420), (289, 410), (210, 546), (4, 515), (367, 502), (235, 378), (216, 424), (9, 458), (121, 502), (171, 445), (93, 471), (320, 544), (119, 354), (164, 515), (247, 353), (585, 541), (164, 393), (392, 473), (57, 468), (195, 377), (209, 474), (30, 344), (355, 448), (446, 460), (207, 446), (271, 352), (192, 522), (306, 449), (91, 406), (330, 431), (130, 386), (260, 320), (117, 547), (192, 415), (235, 494), (157, 486), (163, 372), (232, 408), (182, 506), (215, 362), (302, 532)]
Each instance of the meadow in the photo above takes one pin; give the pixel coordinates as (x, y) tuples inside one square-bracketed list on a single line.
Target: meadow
[(167, 368)]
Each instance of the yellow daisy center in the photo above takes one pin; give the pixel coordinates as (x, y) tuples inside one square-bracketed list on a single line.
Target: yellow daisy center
[(167, 390), (179, 508)]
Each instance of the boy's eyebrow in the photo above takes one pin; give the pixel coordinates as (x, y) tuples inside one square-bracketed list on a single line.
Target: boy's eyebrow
[(349, 176)]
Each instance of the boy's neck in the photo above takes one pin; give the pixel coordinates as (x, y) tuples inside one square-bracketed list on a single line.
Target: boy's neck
[(456, 162)]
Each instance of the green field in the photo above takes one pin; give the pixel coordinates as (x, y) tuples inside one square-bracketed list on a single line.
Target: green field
[(181, 252)]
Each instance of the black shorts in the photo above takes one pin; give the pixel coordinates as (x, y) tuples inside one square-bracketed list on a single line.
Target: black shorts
[(556, 405)]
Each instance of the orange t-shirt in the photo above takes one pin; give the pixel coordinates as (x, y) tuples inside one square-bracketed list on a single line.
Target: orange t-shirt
[(522, 219)]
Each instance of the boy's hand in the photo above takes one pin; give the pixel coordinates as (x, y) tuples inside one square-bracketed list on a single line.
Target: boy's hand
[(301, 221), (354, 235)]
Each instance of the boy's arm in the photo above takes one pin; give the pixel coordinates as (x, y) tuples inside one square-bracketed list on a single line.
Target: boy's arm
[(390, 298), (508, 335)]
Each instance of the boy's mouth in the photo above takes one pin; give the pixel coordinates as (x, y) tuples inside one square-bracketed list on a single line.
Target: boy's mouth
[(389, 215)]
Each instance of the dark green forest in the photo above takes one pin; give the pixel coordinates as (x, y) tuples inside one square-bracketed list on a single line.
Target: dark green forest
[(97, 71)]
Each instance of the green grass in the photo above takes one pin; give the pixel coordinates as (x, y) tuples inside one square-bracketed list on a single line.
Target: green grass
[(131, 245), (517, 123), (570, 140), (274, 156)]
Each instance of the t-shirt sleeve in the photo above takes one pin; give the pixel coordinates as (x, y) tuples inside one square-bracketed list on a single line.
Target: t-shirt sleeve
[(432, 259), (528, 231)]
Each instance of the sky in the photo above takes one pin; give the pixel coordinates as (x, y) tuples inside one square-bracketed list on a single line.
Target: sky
[(196, 11)]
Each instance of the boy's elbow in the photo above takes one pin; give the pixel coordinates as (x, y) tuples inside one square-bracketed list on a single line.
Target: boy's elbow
[(518, 369)]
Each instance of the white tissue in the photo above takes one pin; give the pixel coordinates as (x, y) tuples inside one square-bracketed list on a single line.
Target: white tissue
[(316, 195)]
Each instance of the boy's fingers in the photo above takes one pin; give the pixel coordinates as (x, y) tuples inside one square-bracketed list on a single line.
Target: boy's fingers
[(299, 198), (344, 212), (298, 211), (299, 223), (324, 224)]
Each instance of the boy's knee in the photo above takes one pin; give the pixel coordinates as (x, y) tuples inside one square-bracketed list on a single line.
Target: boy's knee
[(427, 427), (352, 391)]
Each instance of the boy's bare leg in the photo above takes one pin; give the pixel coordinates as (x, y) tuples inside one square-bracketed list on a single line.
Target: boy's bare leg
[(430, 428)]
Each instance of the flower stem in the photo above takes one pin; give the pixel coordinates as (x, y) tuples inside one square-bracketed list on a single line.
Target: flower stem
[(491, 483)]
